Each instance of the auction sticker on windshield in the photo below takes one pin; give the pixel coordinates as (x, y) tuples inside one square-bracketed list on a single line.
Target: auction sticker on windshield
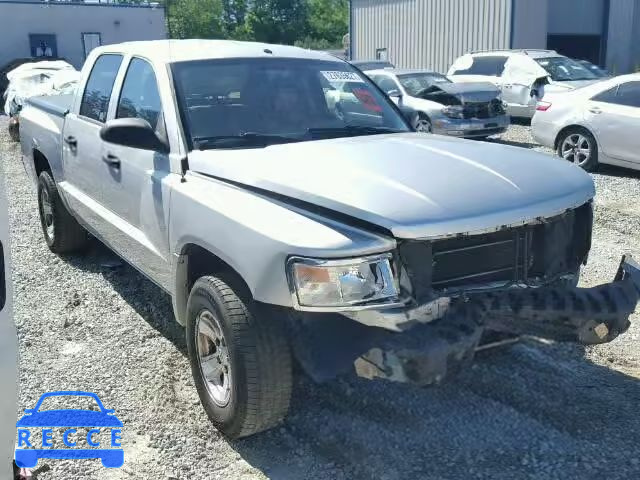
[(342, 77), (91, 431)]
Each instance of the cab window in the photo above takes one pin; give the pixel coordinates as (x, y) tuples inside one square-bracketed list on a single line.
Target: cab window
[(140, 97), (95, 99)]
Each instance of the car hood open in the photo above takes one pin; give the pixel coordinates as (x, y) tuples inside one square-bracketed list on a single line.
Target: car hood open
[(414, 185)]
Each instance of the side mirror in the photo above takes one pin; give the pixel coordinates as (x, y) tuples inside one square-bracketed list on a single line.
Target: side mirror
[(134, 133), (395, 93)]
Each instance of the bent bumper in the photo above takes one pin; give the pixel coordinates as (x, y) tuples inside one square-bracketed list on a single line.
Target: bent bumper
[(429, 352), (470, 127)]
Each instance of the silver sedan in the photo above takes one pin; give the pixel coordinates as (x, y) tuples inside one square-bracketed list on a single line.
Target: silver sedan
[(593, 125)]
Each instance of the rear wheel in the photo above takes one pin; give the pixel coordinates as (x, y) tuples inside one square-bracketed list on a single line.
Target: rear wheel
[(241, 364), (578, 146), (62, 232)]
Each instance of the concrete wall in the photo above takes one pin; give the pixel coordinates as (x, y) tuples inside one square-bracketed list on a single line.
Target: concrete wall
[(530, 23), (68, 21), (428, 33)]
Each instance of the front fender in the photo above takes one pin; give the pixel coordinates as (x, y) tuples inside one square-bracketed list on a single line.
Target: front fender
[(255, 235)]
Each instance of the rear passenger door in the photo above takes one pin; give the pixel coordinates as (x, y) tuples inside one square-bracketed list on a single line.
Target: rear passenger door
[(614, 115), (82, 162), (135, 189)]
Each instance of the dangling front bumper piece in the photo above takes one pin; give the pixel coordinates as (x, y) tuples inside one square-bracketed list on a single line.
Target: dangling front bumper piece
[(429, 352)]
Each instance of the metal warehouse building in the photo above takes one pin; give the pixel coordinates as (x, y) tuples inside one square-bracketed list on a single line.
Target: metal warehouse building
[(432, 33)]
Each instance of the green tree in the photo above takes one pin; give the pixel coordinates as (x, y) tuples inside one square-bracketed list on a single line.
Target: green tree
[(329, 20), (195, 18), (234, 14), (278, 21)]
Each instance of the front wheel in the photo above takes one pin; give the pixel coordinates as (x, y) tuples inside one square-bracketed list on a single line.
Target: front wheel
[(241, 364), (423, 124), (579, 147)]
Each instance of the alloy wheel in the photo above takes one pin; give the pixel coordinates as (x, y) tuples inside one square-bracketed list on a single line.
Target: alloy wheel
[(213, 354), (46, 212), (576, 148)]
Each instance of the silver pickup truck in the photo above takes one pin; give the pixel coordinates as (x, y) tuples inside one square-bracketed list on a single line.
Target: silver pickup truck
[(285, 224)]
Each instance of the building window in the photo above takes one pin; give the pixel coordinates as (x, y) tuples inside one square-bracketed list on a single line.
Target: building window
[(382, 54), (90, 40), (43, 45)]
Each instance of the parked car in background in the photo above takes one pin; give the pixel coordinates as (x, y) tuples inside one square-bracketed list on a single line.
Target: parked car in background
[(595, 69), (596, 124), (35, 79), (371, 64), (444, 107), (523, 76)]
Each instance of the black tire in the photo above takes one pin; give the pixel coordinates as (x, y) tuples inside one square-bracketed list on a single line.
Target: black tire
[(14, 129), (422, 123), (591, 163), (258, 357), (65, 234)]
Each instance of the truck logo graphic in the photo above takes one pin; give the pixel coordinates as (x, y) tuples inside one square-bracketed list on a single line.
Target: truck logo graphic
[(68, 421)]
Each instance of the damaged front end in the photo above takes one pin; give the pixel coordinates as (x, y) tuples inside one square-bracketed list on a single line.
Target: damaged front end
[(517, 281)]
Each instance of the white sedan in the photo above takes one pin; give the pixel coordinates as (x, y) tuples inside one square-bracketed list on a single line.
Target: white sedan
[(596, 124)]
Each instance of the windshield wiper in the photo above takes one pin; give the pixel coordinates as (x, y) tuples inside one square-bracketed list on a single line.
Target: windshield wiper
[(351, 130), (244, 139)]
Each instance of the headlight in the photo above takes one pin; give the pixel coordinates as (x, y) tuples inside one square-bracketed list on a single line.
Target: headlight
[(343, 283), (454, 111)]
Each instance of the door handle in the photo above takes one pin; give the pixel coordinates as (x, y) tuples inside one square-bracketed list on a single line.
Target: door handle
[(71, 141), (595, 110), (111, 160)]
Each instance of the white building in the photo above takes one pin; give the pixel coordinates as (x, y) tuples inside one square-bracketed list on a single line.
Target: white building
[(432, 33)]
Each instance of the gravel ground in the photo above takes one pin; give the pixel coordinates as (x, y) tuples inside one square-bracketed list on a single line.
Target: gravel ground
[(532, 410)]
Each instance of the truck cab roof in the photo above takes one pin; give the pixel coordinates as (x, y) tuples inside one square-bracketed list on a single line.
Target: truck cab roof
[(170, 51)]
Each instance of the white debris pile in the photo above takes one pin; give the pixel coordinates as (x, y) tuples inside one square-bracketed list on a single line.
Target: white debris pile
[(38, 78)]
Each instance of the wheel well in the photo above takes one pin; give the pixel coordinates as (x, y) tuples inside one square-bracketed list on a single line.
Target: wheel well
[(565, 130), (195, 262), (40, 163)]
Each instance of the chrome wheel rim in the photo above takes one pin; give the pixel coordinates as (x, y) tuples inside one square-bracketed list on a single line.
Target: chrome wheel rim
[(46, 212), (423, 125), (576, 148), (213, 356)]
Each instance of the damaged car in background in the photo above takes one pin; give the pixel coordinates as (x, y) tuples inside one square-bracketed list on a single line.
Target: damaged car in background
[(523, 76), (462, 110), (286, 221), (48, 77)]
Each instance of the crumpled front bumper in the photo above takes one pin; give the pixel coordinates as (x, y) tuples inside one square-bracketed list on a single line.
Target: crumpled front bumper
[(429, 352)]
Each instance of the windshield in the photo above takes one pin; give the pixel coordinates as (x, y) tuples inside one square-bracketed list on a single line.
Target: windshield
[(563, 69), (252, 102), (414, 83)]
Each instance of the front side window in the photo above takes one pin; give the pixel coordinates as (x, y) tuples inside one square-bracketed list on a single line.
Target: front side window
[(417, 83), (563, 69), (254, 102), (95, 100), (139, 97), (492, 66)]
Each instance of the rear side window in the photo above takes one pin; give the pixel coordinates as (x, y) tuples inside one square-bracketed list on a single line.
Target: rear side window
[(95, 100), (140, 97), (385, 83), (627, 94), (491, 66)]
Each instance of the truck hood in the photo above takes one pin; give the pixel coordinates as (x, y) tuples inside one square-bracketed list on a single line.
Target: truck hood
[(414, 185)]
